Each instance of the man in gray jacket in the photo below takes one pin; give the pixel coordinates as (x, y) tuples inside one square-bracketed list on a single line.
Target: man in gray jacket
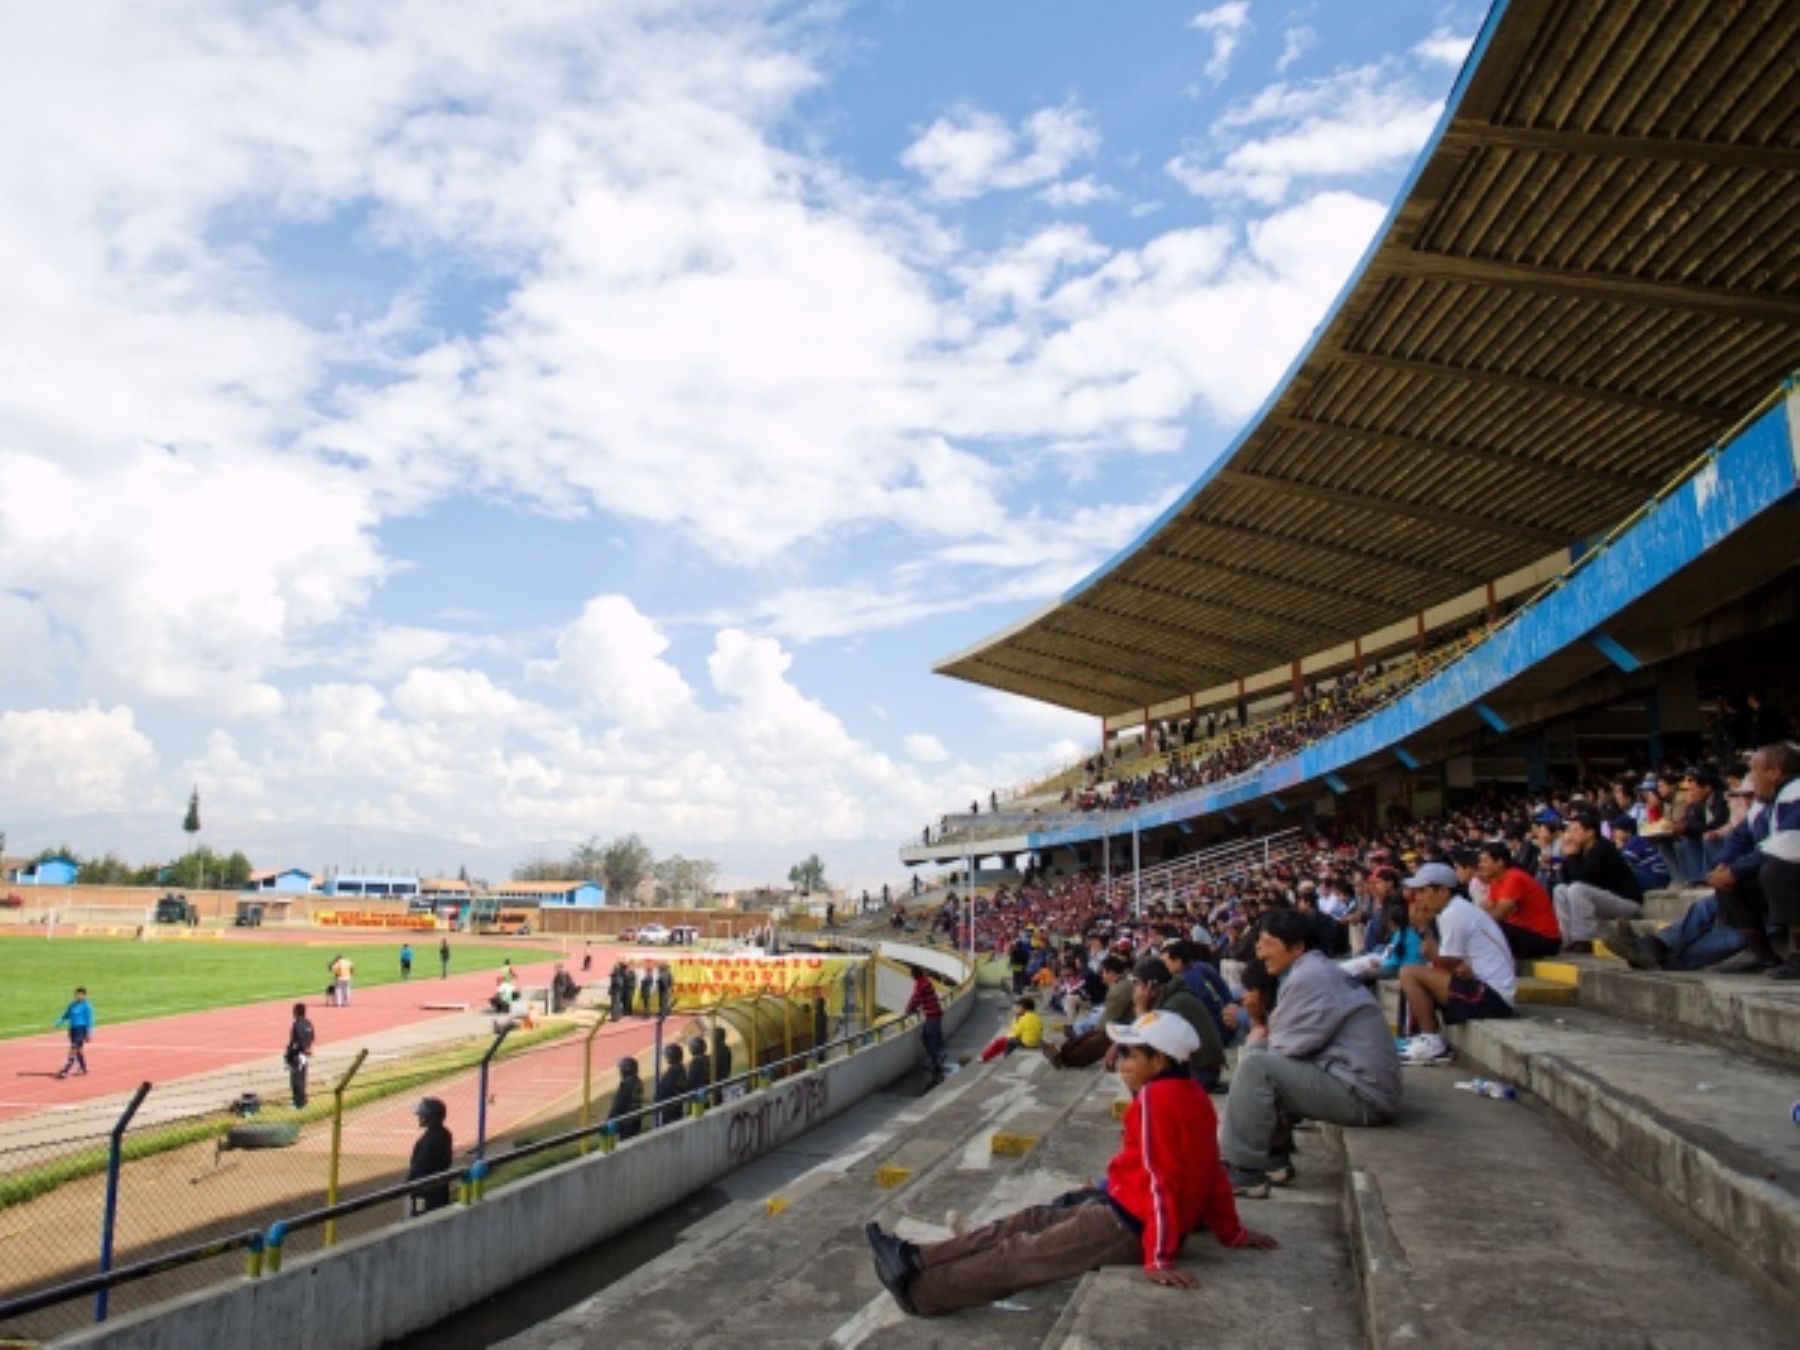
[(1326, 1053)]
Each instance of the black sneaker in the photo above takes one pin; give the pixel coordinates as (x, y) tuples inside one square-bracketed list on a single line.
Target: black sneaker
[(1787, 970), (896, 1264)]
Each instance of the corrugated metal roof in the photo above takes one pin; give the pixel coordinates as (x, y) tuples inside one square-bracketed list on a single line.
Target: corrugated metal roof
[(1590, 274)]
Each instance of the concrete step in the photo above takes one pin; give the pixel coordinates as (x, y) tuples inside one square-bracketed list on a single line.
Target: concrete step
[(1666, 906), (797, 1271), (1479, 1222), (1706, 1134), (1303, 1296), (1746, 1013)]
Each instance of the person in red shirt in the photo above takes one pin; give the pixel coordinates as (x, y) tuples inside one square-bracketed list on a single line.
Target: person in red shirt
[(1165, 1182), (1521, 907)]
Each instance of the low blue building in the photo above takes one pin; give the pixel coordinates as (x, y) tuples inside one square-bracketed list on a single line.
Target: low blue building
[(552, 894), (292, 881), (373, 885), (58, 871)]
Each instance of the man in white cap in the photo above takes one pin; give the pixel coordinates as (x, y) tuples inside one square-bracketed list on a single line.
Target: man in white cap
[(1469, 974), (1165, 1182)]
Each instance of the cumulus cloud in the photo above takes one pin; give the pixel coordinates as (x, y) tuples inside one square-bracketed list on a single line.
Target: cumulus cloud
[(612, 659), (86, 759), (1225, 27), (1339, 127), (969, 151)]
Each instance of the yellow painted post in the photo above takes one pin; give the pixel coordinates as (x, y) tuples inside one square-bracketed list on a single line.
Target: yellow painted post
[(787, 1034), (587, 1078), (337, 1140)]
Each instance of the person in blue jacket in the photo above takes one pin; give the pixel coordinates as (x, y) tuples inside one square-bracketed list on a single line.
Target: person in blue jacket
[(78, 1017)]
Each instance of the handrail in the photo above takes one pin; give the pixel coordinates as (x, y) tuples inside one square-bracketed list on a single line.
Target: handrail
[(139, 1270), (265, 1247)]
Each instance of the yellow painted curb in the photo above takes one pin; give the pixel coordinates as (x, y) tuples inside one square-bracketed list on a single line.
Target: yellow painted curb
[(1553, 972), (775, 1204), (1120, 1107), (1014, 1145), (889, 1177)]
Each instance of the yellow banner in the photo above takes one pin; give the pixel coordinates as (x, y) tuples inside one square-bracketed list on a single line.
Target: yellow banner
[(701, 981)]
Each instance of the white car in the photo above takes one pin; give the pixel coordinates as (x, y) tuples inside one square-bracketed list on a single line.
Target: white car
[(654, 935)]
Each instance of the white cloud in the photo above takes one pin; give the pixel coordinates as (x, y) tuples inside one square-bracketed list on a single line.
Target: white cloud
[(969, 151), (926, 748), (87, 759), (612, 658), (1078, 192), (1225, 26), (1444, 48), (1339, 127), (1295, 43)]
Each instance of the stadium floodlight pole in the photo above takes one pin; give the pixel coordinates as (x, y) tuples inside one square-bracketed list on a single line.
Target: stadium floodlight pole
[(115, 1154)]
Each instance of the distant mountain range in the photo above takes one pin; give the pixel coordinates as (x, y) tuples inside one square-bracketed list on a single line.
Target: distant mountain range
[(141, 837)]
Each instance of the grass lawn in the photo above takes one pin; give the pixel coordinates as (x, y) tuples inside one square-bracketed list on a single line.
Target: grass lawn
[(129, 981)]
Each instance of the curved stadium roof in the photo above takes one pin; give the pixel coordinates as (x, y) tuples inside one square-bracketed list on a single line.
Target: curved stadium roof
[(1589, 275)]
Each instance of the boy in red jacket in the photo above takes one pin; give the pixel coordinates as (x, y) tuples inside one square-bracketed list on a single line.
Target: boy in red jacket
[(1165, 1182)]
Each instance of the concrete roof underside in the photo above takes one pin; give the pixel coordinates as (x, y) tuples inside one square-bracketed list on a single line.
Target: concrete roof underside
[(1589, 276)]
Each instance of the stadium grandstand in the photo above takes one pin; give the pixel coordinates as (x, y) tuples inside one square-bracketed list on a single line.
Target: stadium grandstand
[(1523, 504)]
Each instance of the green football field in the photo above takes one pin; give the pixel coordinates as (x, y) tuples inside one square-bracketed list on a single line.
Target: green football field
[(132, 980)]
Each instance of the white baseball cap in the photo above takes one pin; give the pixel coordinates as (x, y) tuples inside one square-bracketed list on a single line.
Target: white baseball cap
[(1167, 1032)]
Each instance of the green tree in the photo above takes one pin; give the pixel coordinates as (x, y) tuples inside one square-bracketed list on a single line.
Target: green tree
[(687, 882), (624, 863), (808, 875)]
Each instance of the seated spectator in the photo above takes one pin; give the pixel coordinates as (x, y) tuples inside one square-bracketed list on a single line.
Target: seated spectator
[(1516, 902), (1468, 971), (1088, 1040), (1027, 1032), (628, 1100), (1757, 875), (1647, 864), (1183, 957), (1405, 947), (1705, 812), (1325, 1054), (1155, 989), (1594, 883), (1164, 1183), (1701, 937)]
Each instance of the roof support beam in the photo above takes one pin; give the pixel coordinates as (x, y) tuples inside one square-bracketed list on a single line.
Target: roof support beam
[(1774, 158), (1257, 574), (1535, 384), (1504, 459), (1258, 650), (1688, 295), (1094, 702), (1362, 501), (1328, 550), (1160, 669), (1169, 593)]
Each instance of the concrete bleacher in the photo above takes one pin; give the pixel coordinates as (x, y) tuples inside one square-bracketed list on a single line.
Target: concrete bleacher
[(1643, 1190)]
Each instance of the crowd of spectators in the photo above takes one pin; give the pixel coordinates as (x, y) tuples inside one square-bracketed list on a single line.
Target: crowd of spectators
[(1277, 958)]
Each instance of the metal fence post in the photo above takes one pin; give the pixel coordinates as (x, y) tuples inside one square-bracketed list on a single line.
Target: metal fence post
[(115, 1155), (482, 1105), (337, 1140), (587, 1077)]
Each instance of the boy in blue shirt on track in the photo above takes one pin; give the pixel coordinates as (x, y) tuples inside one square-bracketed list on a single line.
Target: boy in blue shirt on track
[(79, 1018)]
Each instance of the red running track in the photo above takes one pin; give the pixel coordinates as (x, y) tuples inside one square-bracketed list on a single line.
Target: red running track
[(166, 1049)]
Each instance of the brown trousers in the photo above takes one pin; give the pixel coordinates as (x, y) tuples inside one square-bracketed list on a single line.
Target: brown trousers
[(1036, 1246)]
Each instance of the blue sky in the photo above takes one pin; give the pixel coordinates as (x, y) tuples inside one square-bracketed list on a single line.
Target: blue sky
[(511, 423)]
